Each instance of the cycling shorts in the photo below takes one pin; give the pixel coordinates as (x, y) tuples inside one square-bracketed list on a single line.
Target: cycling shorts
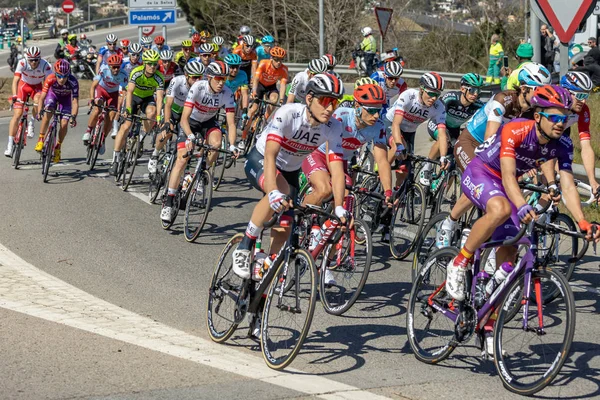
[(199, 129), (255, 173), (480, 184), (26, 91), (262, 90), (175, 118), (464, 149), (138, 104), (316, 161), (51, 102), (110, 99)]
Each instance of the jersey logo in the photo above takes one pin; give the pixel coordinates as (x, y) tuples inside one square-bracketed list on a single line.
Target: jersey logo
[(307, 137)]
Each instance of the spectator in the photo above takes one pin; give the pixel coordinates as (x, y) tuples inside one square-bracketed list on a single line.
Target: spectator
[(369, 47), (591, 62), (524, 56), (496, 55)]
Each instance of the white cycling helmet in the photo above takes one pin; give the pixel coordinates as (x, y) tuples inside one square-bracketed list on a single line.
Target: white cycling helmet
[(432, 81), (317, 66), (244, 30), (110, 38), (393, 69), (533, 75), (249, 40), (218, 40), (146, 41), (33, 53), (64, 31), (135, 49), (166, 55), (366, 31), (194, 68)]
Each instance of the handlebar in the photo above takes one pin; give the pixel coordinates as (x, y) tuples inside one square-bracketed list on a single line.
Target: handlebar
[(303, 210), (206, 147), (524, 227)]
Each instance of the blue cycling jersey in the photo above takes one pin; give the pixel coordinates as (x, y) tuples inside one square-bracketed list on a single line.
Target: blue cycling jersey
[(261, 54), (110, 82), (241, 79), (165, 47)]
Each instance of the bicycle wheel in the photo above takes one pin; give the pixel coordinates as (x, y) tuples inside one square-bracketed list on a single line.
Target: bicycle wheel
[(530, 351), (47, 154), (218, 169), (97, 139), (407, 222), (350, 273), (198, 205), (287, 314), (425, 244), (133, 153), (223, 314), (157, 180), (18, 145), (430, 332), (450, 192)]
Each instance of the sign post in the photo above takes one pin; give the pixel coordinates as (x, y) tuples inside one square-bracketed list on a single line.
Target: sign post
[(148, 13), (566, 16), (68, 6), (384, 17)]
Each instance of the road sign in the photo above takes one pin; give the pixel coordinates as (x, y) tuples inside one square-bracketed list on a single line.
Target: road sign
[(384, 17), (152, 17), (68, 6), (149, 4), (566, 16), (597, 8), (147, 30)]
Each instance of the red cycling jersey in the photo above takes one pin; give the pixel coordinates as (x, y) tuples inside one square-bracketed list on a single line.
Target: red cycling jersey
[(582, 119)]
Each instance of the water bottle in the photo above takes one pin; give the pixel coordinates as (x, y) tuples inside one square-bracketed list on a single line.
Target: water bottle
[(259, 259), (499, 277), (186, 182), (317, 234), (480, 295), (463, 238), (490, 263), (442, 239)]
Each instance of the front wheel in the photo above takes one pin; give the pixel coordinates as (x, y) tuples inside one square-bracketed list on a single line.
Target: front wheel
[(288, 312), (531, 347), (407, 221), (18, 145), (198, 205), (133, 153)]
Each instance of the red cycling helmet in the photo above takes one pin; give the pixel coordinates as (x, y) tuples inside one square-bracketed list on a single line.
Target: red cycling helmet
[(196, 38), (159, 40), (125, 43), (369, 95), (114, 60)]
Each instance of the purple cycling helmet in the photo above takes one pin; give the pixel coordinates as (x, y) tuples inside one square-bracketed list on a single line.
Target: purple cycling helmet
[(549, 96)]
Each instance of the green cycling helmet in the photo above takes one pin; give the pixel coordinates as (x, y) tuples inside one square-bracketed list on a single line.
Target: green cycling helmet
[(471, 79), (150, 56), (525, 50), (364, 81)]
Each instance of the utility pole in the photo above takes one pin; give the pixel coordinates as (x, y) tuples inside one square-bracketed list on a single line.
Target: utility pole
[(321, 28), (534, 34)]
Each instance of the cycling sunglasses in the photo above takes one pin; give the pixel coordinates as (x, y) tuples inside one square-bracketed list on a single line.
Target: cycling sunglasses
[(34, 60), (581, 95), (327, 101), (554, 118), (392, 78), (372, 110), (277, 59), (151, 64), (473, 90), (205, 55), (432, 94), (61, 76)]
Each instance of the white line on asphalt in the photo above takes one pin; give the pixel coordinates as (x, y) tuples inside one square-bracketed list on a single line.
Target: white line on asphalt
[(28, 290)]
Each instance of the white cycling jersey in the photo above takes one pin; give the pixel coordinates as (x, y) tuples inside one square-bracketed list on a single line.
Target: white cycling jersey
[(291, 129), (32, 76), (205, 103), (298, 87), (178, 90), (409, 105)]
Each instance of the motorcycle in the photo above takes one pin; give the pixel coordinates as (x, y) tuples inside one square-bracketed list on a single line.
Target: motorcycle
[(83, 63), (358, 62), (14, 57)]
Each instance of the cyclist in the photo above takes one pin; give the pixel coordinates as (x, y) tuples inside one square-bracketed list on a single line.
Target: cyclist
[(330, 60), (204, 36), (297, 91), (106, 51), (160, 45), (186, 54), (27, 83), (502, 108), (62, 42), (413, 107), (244, 30), (124, 44), (490, 180), (248, 54), (146, 43), (60, 88), (196, 42), (263, 51), (167, 67), (580, 85), (460, 106), (222, 51), (273, 166), (238, 80), (175, 99), (206, 52), (84, 41), (389, 79), (134, 59), (199, 117), (144, 81), (105, 91)]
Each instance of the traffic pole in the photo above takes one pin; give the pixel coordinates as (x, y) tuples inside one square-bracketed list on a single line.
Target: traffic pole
[(321, 28), (534, 33), (139, 34), (164, 32), (564, 59), (68, 21)]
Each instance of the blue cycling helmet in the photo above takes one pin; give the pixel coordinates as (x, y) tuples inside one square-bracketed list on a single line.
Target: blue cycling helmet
[(576, 81), (268, 39), (533, 75), (233, 59)]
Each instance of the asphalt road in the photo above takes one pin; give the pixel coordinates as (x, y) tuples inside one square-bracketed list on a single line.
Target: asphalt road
[(175, 35), (105, 252)]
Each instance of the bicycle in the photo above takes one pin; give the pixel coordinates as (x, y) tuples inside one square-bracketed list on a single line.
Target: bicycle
[(98, 136), (51, 140), (521, 292), (166, 160), (198, 195), (257, 123), (290, 287), (20, 139), (224, 160), (132, 151)]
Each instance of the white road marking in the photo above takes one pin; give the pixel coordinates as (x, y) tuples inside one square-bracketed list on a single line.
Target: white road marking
[(29, 290)]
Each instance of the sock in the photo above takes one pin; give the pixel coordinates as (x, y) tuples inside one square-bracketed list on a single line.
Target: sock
[(463, 259), (89, 129), (115, 125), (448, 224), (11, 141), (155, 152), (252, 231), (171, 197), (247, 243), (32, 121)]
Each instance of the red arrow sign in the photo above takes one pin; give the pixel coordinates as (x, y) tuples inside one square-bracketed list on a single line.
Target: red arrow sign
[(68, 6), (566, 16)]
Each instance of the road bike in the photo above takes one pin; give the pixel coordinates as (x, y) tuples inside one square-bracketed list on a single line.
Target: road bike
[(51, 140), (98, 136), (20, 139)]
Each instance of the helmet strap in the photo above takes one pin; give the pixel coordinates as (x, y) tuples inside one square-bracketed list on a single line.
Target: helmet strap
[(358, 114), (542, 133)]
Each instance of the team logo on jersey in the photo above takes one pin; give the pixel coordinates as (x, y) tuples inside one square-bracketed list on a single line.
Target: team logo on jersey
[(476, 190), (544, 150)]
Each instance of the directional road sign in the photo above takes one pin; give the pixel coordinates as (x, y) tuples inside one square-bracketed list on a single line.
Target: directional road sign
[(566, 16), (150, 4), (152, 17), (384, 17)]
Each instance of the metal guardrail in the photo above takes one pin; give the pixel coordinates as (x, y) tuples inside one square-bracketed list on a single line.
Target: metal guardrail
[(107, 21)]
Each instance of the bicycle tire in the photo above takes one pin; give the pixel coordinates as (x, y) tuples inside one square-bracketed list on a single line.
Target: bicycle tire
[(18, 146), (47, 158), (158, 179), (97, 144), (425, 245), (204, 179), (556, 356), (218, 168), (409, 213), (219, 291), (452, 181), (130, 162), (418, 305), (273, 304), (337, 303)]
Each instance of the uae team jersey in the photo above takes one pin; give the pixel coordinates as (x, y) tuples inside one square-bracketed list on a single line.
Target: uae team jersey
[(178, 90), (33, 76), (353, 138), (205, 103), (298, 86), (291, 129), (414, 112), (582, 118), (517, 139)]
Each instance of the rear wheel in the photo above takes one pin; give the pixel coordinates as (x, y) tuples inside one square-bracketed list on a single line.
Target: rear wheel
[(197, 205), (407, 221), (133, 153), (18, 145)]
